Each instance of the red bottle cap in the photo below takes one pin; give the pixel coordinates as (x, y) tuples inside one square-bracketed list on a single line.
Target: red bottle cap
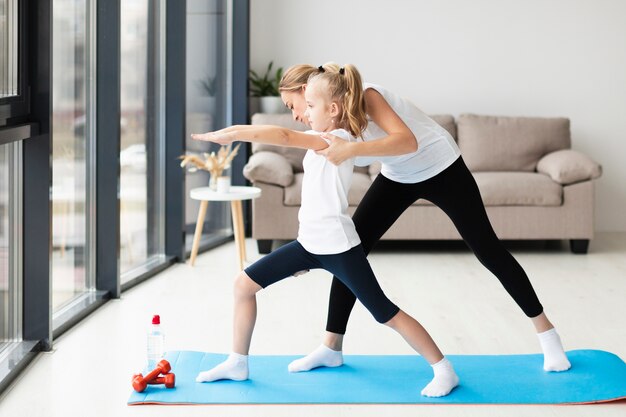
[(156, 319)]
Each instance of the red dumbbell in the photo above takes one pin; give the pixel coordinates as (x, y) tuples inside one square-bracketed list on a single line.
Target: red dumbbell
[(140, 382), (168, 379)]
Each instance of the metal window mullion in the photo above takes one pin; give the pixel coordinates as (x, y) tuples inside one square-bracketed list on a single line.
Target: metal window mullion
[(175, 107), (15, 239), (7, 50), (107, 143), (15, 52), (90, 157), (229, 60), (162, 53)]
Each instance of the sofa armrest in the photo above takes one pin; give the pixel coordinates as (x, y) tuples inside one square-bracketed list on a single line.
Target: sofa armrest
[(568, 166), (269, 167)]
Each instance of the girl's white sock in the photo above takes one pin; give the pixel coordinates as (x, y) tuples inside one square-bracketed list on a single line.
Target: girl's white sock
[(322, 356), (235, 367), (554, 358), (444, 381)]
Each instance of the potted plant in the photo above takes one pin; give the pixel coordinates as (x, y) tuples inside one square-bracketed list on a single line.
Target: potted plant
[(214, 163), (207, 90), (266, 88)]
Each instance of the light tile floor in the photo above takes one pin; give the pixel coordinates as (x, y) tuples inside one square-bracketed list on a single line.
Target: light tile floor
[(442, 285)]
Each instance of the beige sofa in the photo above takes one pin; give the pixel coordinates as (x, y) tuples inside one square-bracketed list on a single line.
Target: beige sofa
[(533, 184)]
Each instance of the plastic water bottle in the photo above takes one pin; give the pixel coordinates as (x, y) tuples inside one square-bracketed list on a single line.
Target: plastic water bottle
[(156, 342)]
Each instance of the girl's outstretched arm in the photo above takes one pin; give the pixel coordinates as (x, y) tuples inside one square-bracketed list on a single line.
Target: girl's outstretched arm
[(271, 135)]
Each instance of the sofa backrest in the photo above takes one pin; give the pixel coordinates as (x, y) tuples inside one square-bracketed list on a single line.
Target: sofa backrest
[(496, 143)]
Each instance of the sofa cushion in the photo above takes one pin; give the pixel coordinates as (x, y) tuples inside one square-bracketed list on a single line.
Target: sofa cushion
[(269, 167), (569, 166), (360, 184), (293, 192), (293, 155), (492, 143), (518, 189), (374, 169)]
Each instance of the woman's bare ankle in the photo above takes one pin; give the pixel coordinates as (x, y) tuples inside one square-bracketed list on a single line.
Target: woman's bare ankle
[(333, 341)]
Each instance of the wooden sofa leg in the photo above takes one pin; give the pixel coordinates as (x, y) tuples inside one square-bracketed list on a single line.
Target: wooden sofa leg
[(264, 245), (579, 246)]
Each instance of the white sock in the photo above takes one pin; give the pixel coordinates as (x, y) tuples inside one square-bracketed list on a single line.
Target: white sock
[(444, 381), (235, 368), (554, 358), (322, 356)]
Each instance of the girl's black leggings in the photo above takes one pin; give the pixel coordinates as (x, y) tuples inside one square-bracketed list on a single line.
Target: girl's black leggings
[(350, 267), (455, 192)]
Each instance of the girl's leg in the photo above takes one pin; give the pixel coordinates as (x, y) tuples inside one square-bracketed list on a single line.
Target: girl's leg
[(456, 193), (355, 271), (274, 267), (236, 365), (411, 330)]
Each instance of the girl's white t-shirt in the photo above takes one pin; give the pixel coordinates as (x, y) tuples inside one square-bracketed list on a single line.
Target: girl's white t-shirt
[(326, 227), (436, 150)]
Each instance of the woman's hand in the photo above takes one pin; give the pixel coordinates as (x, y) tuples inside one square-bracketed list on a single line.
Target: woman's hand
[(221, 137), (338, 150)]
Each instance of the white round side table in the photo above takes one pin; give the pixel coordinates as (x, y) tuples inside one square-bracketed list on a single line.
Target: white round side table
[(236, 194)]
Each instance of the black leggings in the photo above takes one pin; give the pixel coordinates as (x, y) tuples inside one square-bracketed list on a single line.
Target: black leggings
[(455, 192), (350, 267)]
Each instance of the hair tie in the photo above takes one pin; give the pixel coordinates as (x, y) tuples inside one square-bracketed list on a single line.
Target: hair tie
[(341, 70), (321, 69)]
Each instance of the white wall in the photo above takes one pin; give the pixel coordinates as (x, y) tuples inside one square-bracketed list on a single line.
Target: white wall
[(498, 57)]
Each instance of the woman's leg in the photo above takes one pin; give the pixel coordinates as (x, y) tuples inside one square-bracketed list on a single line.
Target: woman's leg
[(274, 267), (381, 206), (456, 193)]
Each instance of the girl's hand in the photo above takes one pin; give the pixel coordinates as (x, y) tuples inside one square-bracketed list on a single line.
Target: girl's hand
[(338, 151), (220, 137)]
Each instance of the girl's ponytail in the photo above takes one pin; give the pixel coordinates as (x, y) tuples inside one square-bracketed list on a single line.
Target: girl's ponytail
[(354, 115)]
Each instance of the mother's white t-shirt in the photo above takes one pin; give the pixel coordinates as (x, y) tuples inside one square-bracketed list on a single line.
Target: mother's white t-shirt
[(436, 149), (325, 225)]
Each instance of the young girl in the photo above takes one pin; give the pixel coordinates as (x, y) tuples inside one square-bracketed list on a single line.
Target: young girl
[(327, 238), (420, 160)]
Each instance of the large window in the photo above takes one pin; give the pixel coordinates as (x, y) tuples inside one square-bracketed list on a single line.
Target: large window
[(142, 135), (10, 245), (73, 122), (208, 101)]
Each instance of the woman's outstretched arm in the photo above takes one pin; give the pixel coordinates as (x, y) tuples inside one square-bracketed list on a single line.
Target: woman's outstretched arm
[(271, 135), (399, 140)]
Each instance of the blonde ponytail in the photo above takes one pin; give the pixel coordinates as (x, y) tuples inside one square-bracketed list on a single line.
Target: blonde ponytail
[(354, 101)]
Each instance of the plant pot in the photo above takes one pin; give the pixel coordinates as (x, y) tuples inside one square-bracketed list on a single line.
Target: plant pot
[(272, 104)]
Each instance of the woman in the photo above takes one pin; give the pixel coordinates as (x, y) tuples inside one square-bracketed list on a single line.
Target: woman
[(419, 160)]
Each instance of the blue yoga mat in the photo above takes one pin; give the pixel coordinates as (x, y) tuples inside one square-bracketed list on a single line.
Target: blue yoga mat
[(596, 376)]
